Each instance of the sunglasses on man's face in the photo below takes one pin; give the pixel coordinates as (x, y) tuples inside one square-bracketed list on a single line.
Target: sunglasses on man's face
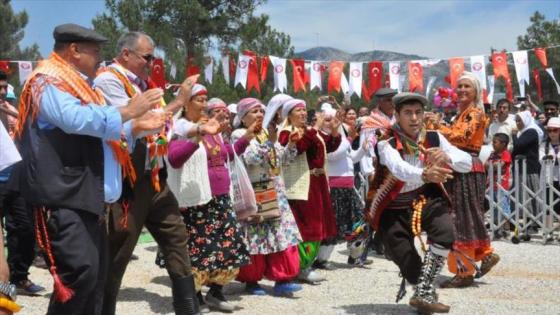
[(148, 57)]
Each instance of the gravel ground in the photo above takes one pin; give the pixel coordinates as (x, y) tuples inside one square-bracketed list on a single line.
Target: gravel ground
[(526, 281)]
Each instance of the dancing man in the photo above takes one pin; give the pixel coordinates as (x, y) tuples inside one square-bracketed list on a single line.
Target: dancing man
[(409, 198)]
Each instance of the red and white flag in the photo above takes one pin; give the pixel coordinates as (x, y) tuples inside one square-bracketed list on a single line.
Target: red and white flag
[(499, 63), (298, 71), (355, 74), (415, 77), (456, 69), (375, 73), (521, 63), (478, 68), (242, 70), (279, 70), (541, 55), (315, 70), (335, 75), (25, 69), (394, 73), (225, 68), (158, 73)]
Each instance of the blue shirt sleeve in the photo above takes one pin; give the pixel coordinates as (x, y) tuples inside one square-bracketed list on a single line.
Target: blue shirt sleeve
[(62, 110)]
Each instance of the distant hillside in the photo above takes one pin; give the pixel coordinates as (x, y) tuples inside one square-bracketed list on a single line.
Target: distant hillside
[(439, 70), (329, 53)]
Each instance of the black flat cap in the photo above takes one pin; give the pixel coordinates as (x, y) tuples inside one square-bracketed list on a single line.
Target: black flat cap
[(67, 33), (405, 97), (385, 92)]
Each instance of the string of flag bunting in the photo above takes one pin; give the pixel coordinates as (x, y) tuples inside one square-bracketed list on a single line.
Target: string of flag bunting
[(250, 71)]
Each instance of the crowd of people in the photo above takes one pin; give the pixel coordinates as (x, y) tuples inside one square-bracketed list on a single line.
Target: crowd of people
[(244, 191)]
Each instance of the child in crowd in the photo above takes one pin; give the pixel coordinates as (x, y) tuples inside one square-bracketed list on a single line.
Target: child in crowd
[(500, 159)]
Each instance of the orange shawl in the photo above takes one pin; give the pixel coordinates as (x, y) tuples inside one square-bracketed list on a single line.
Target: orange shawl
[(63, 76)]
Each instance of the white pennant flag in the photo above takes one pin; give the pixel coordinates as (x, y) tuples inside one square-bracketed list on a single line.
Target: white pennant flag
[(478, 68), (394, 72), (431, 82), (25, 70), (315, 75), (491, 81), (225, 68), (242, 71), (551, 73), (427, 62), (209, 70), (521, 62), (279, 70), (344, 86), (355, 73), (173, 70)]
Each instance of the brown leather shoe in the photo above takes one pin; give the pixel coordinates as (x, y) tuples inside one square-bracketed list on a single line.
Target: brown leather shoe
[(488, 263), (458, 282), (424, 307)]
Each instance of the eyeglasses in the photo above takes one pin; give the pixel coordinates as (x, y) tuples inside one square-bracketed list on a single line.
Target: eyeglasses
[(553, 130), (148, 57)]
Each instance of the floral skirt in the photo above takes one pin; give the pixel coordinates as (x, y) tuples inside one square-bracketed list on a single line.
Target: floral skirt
[(348, 209), (214, 237), (467, 191), (274, 236)]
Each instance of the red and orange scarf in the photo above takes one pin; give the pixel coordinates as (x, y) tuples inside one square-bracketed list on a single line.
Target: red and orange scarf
[(65, 77)]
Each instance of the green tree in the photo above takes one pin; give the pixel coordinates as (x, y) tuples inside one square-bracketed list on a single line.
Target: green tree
[(543, 33), (193, 27), (11, 34)]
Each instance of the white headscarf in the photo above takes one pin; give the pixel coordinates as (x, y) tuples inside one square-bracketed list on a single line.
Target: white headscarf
[(476, 84), (275, 103), (529, 123)]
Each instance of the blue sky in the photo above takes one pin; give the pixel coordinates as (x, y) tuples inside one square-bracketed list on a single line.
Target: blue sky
[(437, 29)]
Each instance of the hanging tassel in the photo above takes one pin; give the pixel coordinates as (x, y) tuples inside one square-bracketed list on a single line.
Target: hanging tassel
[(124, 219), (402, 289), (62, 293)]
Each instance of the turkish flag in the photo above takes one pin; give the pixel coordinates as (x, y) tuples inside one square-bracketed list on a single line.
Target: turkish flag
[(252, 75), (499, 63), (541, 55), (192, 69), (158, 73), (415, 77), (375, 73), (5, 66), (537, 77), (456, 69), (335, 74), (298, 71), (264, 67)]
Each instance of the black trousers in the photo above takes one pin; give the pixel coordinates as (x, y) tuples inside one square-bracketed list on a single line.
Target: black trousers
[(159, 213), (79, 245), (395, 226), (20, 232)]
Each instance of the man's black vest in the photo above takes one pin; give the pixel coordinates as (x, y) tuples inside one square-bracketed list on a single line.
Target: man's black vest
[(61, 170)]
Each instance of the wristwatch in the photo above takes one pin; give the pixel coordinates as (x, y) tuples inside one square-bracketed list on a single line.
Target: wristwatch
[(8, 290)]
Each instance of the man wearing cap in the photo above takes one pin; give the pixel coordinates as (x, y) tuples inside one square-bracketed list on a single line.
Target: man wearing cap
[(68, 163), (147, 200), (408, 198)]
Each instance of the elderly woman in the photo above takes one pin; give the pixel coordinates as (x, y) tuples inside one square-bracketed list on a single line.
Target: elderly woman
[(306, 181), (526, 143), (472, 242), (272, 233), (215, 243)]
